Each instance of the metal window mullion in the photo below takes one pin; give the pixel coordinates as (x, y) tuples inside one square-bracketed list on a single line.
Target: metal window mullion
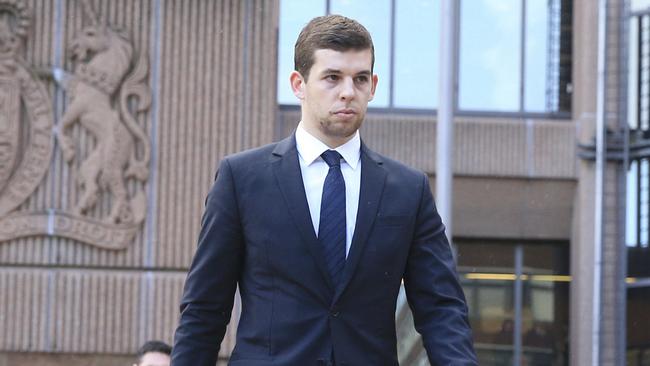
[(646, 188), (639, 116), (457, 45), (517, 341), (643, 192), (522, 57), (644, 75), (639, 74), (391, 71), (638, 203), (328, 7)]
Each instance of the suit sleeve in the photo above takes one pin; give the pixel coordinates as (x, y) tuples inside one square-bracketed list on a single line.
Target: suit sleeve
[(433, 290), (210, 286)]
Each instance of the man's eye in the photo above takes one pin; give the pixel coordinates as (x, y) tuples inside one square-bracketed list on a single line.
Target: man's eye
[(332, 77), (362, 79)]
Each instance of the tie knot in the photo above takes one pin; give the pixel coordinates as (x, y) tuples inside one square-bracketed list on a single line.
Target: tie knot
[(332, 158)]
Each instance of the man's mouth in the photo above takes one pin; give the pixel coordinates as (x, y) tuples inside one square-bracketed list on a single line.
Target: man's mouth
[(345, 112)]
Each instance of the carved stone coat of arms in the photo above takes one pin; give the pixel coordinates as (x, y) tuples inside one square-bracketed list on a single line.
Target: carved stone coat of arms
[(104, 93)]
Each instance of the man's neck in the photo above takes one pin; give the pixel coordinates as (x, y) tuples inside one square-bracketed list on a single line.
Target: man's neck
[(331, 141)]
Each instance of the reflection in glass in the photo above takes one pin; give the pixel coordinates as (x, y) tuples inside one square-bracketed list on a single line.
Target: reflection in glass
[(644, 202), (294, 14), (632, 195), (375, 16), (490, 48), (636, 5), (633, 72), (638, 176), (540, 78), (643, 122), (487, 273), (638, 318), (486, 276), (545, 307), (417, 40)]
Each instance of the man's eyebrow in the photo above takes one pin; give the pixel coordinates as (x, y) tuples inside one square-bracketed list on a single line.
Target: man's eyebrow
[(331, 71), (336, 71)]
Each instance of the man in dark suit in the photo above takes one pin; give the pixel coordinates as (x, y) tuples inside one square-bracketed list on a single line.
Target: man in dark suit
[(318, 232)]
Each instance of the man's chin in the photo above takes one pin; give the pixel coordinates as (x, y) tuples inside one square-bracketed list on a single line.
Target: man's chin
[(340, 136)]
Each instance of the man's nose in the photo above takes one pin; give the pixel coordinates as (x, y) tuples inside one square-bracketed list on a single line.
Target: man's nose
[(347, 89)]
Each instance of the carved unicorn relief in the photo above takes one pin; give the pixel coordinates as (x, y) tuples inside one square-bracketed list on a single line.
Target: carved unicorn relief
[(98, 98)]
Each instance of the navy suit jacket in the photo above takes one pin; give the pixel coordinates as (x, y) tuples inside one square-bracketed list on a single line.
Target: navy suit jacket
[(257, 233)]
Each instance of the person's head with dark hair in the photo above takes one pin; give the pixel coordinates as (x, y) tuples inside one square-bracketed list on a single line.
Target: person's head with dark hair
[(154, 353), (332, 32), (334, 81)]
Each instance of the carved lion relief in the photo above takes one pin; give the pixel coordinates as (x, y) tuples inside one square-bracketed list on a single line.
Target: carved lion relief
[(105, 91)]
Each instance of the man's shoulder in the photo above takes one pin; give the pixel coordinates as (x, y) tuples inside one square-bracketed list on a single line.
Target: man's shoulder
[(251, 155), (395, 167), (252, 162)]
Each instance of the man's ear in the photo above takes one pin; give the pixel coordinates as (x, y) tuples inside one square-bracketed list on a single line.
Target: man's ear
[(373, 88), (297, 84)]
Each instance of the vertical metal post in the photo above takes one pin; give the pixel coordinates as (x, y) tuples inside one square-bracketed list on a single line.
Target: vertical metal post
[(445, 121), (599, 177), (519, 291), (391, 73), (522, 59), (639, 114)]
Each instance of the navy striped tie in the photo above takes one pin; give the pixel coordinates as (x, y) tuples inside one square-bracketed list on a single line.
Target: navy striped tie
[(332, 227)]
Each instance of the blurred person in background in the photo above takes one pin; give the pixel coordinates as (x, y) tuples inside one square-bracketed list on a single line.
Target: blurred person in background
[(154, 353)]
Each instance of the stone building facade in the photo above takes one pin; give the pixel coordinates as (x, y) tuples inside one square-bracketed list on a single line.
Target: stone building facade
[(117, 112)]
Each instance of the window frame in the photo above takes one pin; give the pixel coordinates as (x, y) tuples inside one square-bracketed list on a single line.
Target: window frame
[(392, 109)]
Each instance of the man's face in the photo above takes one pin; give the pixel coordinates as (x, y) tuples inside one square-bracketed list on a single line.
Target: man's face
[(155, 359), (335, 98)]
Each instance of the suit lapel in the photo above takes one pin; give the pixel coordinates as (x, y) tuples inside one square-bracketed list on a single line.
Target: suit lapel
[(373, 176), (287, 173)]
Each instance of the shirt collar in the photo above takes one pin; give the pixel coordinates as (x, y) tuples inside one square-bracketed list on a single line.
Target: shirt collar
[(310, 147)]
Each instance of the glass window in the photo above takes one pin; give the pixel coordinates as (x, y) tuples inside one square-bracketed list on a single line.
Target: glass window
[(636, 5), (632, 194), (643, 74), (633, 72), (638, 318), (637, 225), (417, 32), (539, 75), (545, 304), (494, 73), (638, 303), (490, 53), (294, 14), (637, 218), (488, 276), (491, 59), (377, 21), (644, 203)]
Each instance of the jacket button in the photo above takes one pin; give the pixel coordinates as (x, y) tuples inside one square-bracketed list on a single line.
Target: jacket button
[(334, 313)]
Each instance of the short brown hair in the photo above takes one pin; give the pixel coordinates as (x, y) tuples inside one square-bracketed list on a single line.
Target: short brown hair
[(333, 32)]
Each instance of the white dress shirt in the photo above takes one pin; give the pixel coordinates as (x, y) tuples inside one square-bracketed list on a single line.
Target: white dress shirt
[(314, 170)]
